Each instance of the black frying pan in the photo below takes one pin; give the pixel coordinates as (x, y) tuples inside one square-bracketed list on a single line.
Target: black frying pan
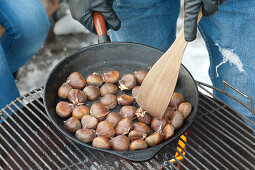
[(126, 58)]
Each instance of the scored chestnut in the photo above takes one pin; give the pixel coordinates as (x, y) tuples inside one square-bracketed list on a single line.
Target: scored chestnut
[(72, 124), (185, 109), (108, 88), (77, 97), (99, 111), (177, 120), (113, 118), (76, 80), (63, 90), (120, 143), (125, 100), (127, 82), (140, 76), (168, 131), (135, 91), (111, 76), (128, 111), (106, 129), (143, 116), (95, 80), (154, 139), (124, 126), (158, 124), (64, 109), (85, 135), (101, 142), (142, 127), (135, 134), (109, 100), (169, 112), (137, 145), (175, 100), (80, 111), (92, 92), (89, 122)]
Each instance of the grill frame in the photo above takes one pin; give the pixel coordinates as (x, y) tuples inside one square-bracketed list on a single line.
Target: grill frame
[(29, 141)]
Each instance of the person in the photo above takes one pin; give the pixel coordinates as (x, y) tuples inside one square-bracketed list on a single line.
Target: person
[(228, 34), (26, 27)]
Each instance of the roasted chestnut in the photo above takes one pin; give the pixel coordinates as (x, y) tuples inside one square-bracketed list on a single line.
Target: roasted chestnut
[(158, 124), (92, 92), (140, 75), (127, 82), (64, 109), (105, 128), (169, 112), (175, 100), (142, 127), (63, 90), (77, 97), (120, 143), (128, 111), (109, 100), (85, 135), (177, 120), (95, 80), (108, 88), (101, 142), (111, 76), (72, 124), (89, 122), (137, 145), (113, 118), (124, 126), (168, 131), (135, 91), (143, 116), (135, 134), (154, 139), (99, 111), (80, 111), (185, 109), (76, 80), (125, 100)]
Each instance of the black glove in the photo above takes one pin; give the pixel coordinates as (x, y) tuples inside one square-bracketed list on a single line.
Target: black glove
[(191, 8), (82, 11)]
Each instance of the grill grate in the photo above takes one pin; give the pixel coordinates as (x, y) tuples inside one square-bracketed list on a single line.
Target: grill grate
[(218, 139)]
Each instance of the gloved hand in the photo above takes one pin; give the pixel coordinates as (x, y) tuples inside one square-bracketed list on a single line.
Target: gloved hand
[(82, 11), (191, 8)]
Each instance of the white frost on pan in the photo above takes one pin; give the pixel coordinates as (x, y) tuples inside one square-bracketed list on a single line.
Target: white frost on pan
[(229, 56)]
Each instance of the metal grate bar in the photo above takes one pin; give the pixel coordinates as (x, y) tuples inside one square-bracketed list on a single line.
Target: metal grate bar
[(180, 163), (8, 165)]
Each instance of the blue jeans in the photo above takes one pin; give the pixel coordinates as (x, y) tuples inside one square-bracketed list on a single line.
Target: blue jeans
[(229, 37), (26, 27)]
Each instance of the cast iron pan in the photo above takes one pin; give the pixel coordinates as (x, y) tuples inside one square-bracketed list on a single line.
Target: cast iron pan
[(125, 58)]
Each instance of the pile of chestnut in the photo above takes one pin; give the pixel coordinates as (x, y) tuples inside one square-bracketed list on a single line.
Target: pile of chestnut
[(131, 128)]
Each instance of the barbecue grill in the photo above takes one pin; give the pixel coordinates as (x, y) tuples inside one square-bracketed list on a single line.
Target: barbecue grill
[(218, 139)]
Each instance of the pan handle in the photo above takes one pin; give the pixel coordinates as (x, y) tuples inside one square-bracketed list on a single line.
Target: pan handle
[(100, 27)]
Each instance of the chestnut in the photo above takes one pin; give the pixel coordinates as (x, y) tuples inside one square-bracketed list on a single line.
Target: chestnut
[(177, 120), (77, 97), (120, 143), (95, 80), (154, 139), (99, 111), (92, 92), (113, 118), (128, 111), (80, 111), (124, 126), (143, 116), (169, 112), (64, 109), (175, 100), (109, 100), (72, 124), (135, 91), (127, 82), (125, 100), (89, 122), (185, 109), (140, 75), (108, 88), (63, 90), (168, 131), (85, 135), (142, 127), (101, 142), (137, 145), (105, 128), (135, 134), (158, 124), (76, 80), (111, 76)]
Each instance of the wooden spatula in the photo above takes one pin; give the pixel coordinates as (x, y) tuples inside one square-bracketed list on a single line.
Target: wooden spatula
[(157, 88)]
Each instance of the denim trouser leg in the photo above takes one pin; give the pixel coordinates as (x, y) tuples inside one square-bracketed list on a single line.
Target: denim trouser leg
[(26, 24), (228, 35)]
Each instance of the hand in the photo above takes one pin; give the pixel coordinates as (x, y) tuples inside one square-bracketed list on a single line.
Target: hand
[(191, 8), (82, 11)]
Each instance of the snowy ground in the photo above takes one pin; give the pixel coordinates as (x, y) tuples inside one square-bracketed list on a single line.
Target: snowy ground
[(70, 36)]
